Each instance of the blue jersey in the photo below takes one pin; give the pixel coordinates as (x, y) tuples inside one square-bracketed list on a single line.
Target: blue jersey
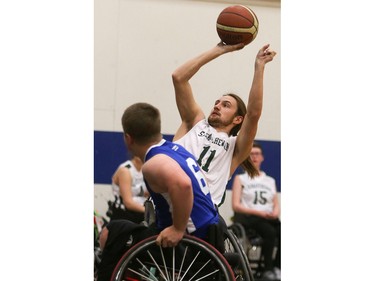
[(203, 212)]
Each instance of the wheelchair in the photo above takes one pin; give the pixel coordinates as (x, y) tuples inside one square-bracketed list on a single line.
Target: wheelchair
[(252, 245), (192, 259), (233, 246), (99, 223)]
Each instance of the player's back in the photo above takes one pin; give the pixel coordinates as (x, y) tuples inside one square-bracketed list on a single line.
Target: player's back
[(203, 211)]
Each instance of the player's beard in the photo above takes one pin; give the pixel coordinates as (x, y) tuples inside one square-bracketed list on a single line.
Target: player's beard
[(216, 122)]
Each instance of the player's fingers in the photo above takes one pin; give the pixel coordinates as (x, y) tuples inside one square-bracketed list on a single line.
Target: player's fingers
[(264, 48), (165, 243), (240, 46), (272, 53), (159, 240)]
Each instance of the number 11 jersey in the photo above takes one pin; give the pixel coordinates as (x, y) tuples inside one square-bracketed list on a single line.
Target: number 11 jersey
[(214, 152)]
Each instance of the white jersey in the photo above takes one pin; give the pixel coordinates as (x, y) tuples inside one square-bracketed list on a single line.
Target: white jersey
[(138, 185), (258, 192), (214, 152)]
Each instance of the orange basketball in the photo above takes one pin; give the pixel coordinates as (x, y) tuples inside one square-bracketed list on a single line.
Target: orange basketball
[(237, 24)]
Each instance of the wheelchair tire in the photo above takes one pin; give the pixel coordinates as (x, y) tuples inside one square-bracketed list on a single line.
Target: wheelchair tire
[(232, 244), (192, 259)]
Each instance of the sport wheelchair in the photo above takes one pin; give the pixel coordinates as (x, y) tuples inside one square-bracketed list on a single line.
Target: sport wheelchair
[(233, 246), (251, 243), (192, 259)]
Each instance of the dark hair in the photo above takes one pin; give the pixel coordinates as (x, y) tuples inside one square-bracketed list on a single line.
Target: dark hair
[(142, 122), (241, 111), (257, 145), (247, 164)]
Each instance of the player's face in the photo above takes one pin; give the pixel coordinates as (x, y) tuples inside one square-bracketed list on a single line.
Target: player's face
[(224, 112), (256, 156)]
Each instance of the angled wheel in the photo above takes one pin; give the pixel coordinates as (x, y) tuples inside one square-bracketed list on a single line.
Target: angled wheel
[(242, 270), (239, 231), (192, 259)]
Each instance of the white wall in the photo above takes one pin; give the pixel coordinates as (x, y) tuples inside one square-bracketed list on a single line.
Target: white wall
[(138, 44)]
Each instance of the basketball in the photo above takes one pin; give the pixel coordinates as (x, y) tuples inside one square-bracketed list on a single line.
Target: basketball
[(237, 24)]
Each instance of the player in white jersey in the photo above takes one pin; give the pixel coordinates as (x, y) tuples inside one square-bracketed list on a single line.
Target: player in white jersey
[(258, 193), (214, 141), (215, 158), (256, 207), (129, 191)]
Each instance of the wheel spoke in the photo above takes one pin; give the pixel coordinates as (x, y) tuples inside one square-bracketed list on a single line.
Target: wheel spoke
[(182, 263), (141, 275), (187, 270), (199, 270), (213, 272), (157, 266), (173, 263), (144, 268)]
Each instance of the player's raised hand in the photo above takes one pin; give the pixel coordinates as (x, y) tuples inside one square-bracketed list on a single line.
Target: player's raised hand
[(230, 48), (265, 54)]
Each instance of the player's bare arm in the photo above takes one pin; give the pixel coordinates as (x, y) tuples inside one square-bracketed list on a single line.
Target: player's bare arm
[(124, 181), (190, 111), (249, 127), (165, 175)]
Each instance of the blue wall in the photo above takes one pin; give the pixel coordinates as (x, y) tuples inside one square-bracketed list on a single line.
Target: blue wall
[(110, 151), (271, 164)]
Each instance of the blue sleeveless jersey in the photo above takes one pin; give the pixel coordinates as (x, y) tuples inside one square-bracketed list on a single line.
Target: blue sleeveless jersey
[(203, 212)]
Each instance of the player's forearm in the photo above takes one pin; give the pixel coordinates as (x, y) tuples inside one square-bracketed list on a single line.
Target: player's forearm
[(189, 110), (182, 202), (191, 67), (255, 101)]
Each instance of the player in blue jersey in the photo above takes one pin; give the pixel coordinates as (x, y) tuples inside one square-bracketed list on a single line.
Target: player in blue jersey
[(174, 179), (182, 200)]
